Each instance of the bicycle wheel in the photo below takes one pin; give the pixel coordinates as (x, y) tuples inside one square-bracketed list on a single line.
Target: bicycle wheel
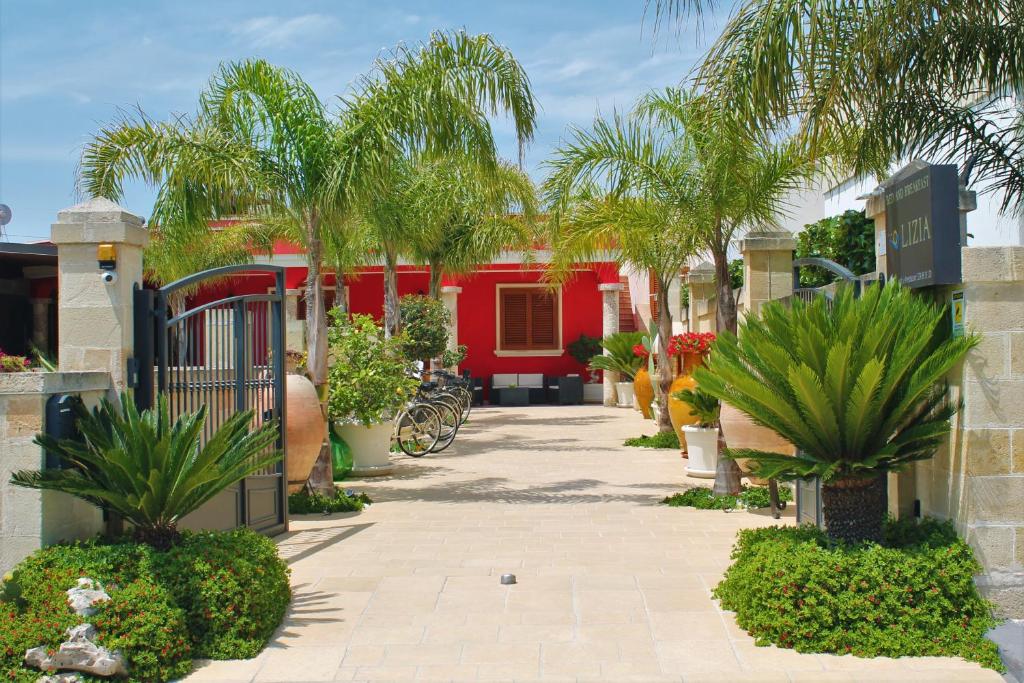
[(449, 423), (454, 403), (418, 429), (465, 397)]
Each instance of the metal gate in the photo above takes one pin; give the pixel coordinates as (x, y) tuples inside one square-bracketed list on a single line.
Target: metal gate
[(228, 355)]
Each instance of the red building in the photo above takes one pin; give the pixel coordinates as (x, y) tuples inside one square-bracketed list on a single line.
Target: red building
[(512, 322)]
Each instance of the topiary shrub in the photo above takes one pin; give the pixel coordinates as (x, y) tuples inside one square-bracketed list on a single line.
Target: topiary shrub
[(233, 587), (915, 596), (142, 622)]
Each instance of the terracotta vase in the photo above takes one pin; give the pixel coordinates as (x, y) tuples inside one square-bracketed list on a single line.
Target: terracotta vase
[(741, 432), (305, 429), (679, 412), (644, 392)]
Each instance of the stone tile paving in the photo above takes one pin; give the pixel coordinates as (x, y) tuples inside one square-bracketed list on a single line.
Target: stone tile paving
[(611, 586)]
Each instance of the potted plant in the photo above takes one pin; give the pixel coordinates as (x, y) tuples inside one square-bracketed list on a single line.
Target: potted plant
[(702, 436), (643, 386), (858, 385), (620, 358), (425, 323), (687, 351), (369, 382)]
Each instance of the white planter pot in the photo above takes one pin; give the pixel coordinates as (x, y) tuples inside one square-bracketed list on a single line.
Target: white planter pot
[(701, 450), (593, 393), (624, 390), (371, 447)]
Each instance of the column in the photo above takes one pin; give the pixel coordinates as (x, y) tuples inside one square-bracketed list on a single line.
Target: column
[(703, 308), (450, 299), (295, 329), (767, 268), (609, 326), (96, 314)]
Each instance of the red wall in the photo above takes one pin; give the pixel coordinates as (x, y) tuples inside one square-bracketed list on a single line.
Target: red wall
[(581, 314)]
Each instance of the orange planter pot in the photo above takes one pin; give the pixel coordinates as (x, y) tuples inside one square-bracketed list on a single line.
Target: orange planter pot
[(679, 412), (644, 391), (740, 431), (305, 429)]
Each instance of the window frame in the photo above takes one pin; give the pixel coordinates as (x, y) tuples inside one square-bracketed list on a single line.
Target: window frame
[(555, 349)]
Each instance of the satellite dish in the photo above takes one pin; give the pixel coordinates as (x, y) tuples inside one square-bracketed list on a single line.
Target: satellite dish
[(5, 214)]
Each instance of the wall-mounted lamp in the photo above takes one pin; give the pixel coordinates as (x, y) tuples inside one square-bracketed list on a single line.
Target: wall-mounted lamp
[(106, 255)]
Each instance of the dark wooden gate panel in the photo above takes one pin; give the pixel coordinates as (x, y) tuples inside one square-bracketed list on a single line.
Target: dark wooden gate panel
[(229, 356)]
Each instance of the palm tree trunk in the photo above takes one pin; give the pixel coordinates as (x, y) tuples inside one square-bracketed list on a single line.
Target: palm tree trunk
[(177, 301), (664, 373), (316, 316), (435, 280), (321, 478), (392, 316), (725, 316)]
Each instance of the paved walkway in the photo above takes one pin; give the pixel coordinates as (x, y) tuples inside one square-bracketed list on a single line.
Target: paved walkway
[(611, 586)]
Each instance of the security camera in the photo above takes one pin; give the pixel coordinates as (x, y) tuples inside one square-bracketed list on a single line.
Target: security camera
[(109, 277)]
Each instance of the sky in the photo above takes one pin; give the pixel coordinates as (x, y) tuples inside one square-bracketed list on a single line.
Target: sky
[(67, 68)]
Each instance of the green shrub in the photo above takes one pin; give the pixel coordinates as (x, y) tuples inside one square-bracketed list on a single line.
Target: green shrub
[(751, 497), (794, 588), (216, 594), (659, 440), (848, 239), (302, 503), (233, 587), (425, 323), (142, 622)]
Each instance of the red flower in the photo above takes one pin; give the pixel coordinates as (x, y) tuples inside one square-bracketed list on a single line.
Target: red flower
[(639, 350), (690, 342)]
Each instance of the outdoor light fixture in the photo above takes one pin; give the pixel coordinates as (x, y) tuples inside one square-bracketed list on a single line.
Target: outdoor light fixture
[(106, 255)]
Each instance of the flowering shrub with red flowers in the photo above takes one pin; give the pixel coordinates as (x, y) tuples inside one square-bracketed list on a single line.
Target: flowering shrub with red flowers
[(690, 342), (639, 350), (10, 363)]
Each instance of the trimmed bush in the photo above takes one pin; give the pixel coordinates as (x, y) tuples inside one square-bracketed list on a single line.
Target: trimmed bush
[(233, 588), (915, 596), (659, 440), (302, 503), (219, 595), (142, 622), (751, 497)]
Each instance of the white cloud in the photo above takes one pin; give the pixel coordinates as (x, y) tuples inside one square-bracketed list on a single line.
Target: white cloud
[(274, 31)]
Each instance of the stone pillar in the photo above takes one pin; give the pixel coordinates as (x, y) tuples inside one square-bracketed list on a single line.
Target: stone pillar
[(295, 329), (96, 317), (703, 310), (979, 480), (767, 268), (609, 325), (450, 299), (31, 519)]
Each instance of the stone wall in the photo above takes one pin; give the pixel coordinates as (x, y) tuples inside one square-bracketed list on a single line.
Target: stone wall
[(978, 480), (30, 519)]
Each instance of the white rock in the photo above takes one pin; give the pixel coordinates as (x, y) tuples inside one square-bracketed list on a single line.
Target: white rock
[(79, 653), (81, 632), (82, 597), (61, 678), (38, 658)]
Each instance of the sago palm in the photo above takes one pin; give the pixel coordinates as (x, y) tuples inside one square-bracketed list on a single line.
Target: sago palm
[(619, 356), (150, 469), (859, 387)]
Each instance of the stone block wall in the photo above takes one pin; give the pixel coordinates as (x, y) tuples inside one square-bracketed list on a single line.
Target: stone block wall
[(30, 519), (978, 479)]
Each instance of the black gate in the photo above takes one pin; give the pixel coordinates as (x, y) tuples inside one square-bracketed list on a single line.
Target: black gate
[(228, 355)]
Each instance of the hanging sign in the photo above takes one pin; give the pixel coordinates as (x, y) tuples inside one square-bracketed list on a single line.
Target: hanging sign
[(922, 220)]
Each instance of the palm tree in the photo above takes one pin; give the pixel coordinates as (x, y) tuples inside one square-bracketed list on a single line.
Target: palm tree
[(470, 214), (264, 147), (621, 189), (878, 81), (740, 177)]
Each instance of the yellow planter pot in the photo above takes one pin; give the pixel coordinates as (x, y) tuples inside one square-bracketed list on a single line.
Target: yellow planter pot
[(644, 391), (680, 412)]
